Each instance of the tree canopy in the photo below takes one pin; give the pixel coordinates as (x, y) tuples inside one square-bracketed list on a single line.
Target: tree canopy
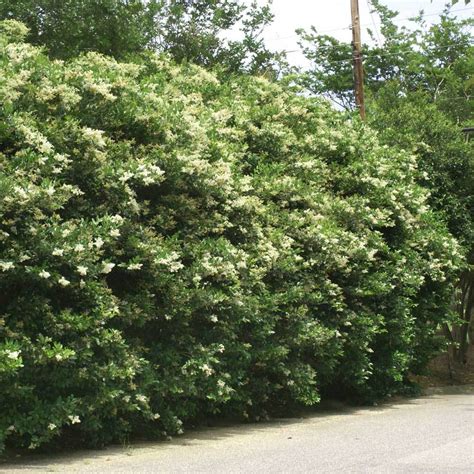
[(187, 30), (437, 59)]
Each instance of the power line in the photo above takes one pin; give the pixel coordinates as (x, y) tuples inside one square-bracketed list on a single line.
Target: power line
[(380, 55), (280, 38), (470, 97), (365, 25), (369, 4)]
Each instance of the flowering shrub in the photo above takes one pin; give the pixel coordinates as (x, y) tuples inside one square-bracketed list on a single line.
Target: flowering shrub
[(173, 247)]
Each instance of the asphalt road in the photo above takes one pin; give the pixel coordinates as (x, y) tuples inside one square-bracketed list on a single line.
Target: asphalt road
[(431, 434)]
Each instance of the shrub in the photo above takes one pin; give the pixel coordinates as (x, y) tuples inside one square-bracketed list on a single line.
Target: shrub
[(173, 247)]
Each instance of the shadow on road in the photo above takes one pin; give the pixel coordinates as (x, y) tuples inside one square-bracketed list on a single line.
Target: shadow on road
[(326, 412)]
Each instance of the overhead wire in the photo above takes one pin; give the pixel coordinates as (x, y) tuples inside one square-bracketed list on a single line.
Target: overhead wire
[(381, 55), (281, 38), (369, 6), (379, 41)]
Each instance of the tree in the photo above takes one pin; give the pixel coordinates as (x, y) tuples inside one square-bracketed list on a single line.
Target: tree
[(195, 31), (438, 59), (446, 159), (68, 27), (188, 30)]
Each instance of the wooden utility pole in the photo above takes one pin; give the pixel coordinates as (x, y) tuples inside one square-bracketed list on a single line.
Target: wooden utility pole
[(356, 48)]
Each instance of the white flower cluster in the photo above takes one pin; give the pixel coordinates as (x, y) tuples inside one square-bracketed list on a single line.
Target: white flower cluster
[(74, 419), (5, 266), (94, 137), (208, 370), (12, 354), (171, 261)]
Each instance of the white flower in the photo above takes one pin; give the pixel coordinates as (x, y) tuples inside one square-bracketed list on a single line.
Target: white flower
[(156, 416), (221, 383), (82, 284), (13, 354), (107, 268), (60, 158), (52, 426), (58, 357), (115, 233), (50, 191), (171, 261), (101, 88), (44, 274), (135, 266), (6, 266), (81, 270), (125, 177), (98, 243), (117, 219), (79, 248), (74, 419), (63, 282), (141, 398), (94, 136), (58, 252), (214, 318), (207, 370), (45, 147)]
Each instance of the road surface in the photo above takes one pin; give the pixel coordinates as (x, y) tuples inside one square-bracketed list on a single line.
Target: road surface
[(431, 434)]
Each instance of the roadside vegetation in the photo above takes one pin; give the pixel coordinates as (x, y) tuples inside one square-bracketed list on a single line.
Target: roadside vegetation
[(419, 85), (183, 237)]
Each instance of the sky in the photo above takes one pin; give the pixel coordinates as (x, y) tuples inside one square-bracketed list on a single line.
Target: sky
[(334, 15)]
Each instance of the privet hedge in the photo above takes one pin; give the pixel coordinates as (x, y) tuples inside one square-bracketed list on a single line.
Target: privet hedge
[(173, 247)]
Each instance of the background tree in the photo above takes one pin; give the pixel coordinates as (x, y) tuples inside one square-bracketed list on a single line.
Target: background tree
[(69, 27), (438, 59), (188, 30), (195, 31)]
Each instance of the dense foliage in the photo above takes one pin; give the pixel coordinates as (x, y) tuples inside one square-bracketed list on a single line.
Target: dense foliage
[(68, 27), (195, 31), (444, 154), (419, 94), (173, 246)]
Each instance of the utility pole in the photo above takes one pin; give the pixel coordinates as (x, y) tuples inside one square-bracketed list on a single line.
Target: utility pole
[(356, 48)]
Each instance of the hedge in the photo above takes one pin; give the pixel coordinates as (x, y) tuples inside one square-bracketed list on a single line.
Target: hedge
[(174, 247)]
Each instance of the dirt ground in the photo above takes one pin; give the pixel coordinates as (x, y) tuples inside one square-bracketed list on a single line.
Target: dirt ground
[(443, 371)]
